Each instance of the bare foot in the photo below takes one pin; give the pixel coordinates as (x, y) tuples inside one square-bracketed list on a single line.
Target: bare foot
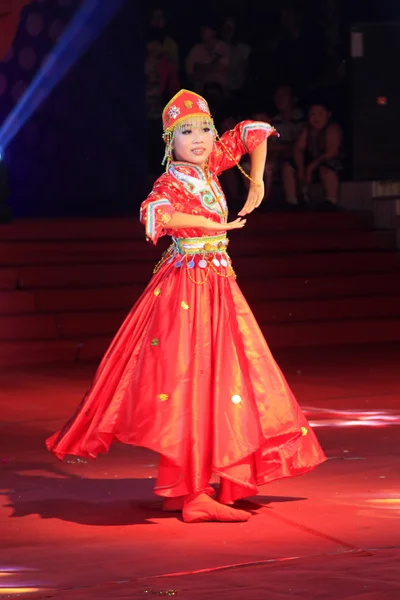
[(200, 508)]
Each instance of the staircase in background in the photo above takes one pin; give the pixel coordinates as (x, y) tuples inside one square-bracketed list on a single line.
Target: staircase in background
[(311, 278)]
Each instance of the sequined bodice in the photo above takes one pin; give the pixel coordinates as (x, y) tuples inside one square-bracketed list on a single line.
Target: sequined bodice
[(190, 189), (203, 186)]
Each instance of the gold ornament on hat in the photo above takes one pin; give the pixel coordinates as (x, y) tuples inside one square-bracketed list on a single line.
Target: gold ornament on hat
[(178, 110)]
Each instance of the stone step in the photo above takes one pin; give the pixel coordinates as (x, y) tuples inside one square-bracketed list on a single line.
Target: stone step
[(80, 324), (130, 227), (76, 252), (278, 335), (124, 296), (114, 273)]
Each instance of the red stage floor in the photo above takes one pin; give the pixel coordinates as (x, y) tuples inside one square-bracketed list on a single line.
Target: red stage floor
[(79, 531)]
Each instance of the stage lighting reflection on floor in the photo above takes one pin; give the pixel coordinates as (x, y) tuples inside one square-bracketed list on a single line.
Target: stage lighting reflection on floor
[(4, 592), (381, 505), (10, 587), (388, 503), (324, 417), (7, 570)]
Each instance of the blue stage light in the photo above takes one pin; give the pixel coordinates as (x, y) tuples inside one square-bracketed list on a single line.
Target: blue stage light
[(89, 21)]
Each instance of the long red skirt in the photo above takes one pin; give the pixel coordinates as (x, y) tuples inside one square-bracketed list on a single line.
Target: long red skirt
[(190, 376)]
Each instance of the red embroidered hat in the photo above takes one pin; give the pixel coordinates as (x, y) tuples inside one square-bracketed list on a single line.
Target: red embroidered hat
[(183, 105)]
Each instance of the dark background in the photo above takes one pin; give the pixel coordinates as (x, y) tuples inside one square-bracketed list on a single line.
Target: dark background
[(84, 151)]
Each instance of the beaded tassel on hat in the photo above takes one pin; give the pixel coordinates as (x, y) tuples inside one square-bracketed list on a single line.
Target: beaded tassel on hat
[(185, 108), (168, 138)]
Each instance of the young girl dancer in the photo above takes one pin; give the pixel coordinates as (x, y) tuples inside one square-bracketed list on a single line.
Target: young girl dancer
[(189, 374)]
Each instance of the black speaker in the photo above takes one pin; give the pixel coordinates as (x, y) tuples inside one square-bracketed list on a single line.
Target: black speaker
[(375, 100)]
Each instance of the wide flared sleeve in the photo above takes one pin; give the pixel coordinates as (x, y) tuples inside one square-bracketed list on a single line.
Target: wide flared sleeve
[(243, 139), (156, 212)]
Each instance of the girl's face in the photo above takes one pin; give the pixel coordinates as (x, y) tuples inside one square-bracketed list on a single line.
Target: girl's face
[(193, 142)]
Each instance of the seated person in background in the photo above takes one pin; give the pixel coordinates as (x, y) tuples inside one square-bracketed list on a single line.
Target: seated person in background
[(269, 168), (288, 122), (158, 20), (316, 152)]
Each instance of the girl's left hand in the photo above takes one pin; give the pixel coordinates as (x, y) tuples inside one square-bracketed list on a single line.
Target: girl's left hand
[(254, 198)]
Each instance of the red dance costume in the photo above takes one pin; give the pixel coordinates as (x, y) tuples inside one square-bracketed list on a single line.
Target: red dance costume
[(189, 374)]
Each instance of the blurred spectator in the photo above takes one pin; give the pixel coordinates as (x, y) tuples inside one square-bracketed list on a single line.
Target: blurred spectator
[(208, 61), (260, 115), (161, 84), (158, 20), (317, 153), (10, 12), (239, 58), (288, 122), (268, 169), (296, 55), (217, 99)]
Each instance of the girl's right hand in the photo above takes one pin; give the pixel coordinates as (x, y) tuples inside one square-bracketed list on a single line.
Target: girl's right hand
[(217, 227)]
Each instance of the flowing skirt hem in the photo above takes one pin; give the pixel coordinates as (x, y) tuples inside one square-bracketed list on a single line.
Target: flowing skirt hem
[(265, 466)]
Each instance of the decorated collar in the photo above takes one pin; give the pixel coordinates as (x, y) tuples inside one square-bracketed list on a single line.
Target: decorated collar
[(189, 169), (192, 176)]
